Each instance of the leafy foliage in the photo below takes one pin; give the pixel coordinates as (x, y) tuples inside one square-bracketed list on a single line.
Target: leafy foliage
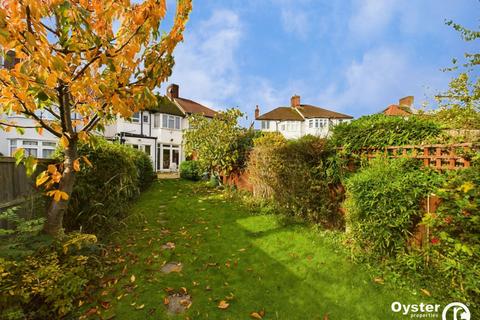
[(380, 131), (383, 205), (219, 144), (459, 107), (294, 175), (455, 234), (40, 278), (101, 197), (82, 63), (190, 170)]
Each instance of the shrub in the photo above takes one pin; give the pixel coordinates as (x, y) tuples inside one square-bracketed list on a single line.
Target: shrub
[(190, 170), (380, 130), (455, 234), (383, 205), (294, 175), (42, 278), (102, 192)]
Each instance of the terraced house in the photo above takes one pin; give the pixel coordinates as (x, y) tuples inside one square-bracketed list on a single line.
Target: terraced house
[(299, 120), (158, 131)]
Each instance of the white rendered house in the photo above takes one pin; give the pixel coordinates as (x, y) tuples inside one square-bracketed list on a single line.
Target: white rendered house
[(299, 120), (157, 132)]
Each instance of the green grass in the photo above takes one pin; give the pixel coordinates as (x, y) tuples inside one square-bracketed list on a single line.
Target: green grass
[(291, 272)]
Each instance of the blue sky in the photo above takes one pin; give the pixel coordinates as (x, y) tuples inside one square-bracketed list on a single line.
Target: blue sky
[(352, 56)]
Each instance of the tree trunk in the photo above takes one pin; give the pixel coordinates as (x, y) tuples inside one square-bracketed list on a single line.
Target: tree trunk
[(54, 223)]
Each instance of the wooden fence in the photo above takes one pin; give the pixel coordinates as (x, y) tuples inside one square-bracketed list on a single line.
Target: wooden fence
[(15, 186), (438, 156)]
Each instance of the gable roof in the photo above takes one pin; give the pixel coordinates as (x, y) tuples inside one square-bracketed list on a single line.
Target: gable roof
[(309, 111), (192, 107), (165, 105), (300, 113), (282, 113), (396, 110)]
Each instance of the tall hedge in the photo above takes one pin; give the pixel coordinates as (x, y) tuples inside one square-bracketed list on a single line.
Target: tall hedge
[(294, 175), (380, 130), (102, 193), (383, 205)]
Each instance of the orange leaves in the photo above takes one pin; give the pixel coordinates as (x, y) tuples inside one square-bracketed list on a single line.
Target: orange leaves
[(223, 305), (64, 142), (258, 315), (76, 165), (57, 195), (85, 159)]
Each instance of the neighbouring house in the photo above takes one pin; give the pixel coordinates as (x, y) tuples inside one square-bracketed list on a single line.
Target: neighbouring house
[(404, 108), (158, 131), (299, 120)]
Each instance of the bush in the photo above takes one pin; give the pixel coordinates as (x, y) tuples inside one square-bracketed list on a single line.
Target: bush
[(294, 175), (383, 205), (455, 234), (190, 170), (380, 130), (42, 278), (102, 192)]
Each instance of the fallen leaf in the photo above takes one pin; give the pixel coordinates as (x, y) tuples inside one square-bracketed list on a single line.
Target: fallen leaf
[(105, 305), (378, 280), (256, 315), (132, 278), (325, 316), (426, 292), (166, 301), (242, 250), (183, 290), (223, 305), (91, 311), (140, 307)]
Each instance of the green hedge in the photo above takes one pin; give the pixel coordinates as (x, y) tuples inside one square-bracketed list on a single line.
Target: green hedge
[(380, 130), (383, 205), (103, 192), (190, 170)]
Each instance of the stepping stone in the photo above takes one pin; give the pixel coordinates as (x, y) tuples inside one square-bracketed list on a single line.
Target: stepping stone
[(172, 267), (168, 246), (178, 303)]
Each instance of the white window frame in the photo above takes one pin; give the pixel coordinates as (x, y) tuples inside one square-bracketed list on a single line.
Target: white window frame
[(32, 147), (171, 122), (265, 125)]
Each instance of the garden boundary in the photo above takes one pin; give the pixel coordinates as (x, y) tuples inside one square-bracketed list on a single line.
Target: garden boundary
[(437, 156)]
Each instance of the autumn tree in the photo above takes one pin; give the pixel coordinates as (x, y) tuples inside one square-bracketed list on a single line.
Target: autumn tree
[(83, 62)]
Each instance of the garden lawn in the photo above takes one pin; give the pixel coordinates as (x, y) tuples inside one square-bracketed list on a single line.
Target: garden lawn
[(252, 262)]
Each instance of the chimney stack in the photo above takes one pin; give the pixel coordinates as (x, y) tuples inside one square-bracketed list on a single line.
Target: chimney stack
[(406, 101), (257, 112), (172, 91), (295, 101)]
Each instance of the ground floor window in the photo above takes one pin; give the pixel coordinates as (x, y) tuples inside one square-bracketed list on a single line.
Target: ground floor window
[(168, 157), (34, 148)]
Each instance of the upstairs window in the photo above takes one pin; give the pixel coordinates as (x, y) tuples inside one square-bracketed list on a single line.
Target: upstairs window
[(170, 122)]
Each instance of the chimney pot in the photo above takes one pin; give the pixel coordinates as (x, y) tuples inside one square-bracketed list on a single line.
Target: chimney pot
[(295, 101), (257, 112), (173, 91)]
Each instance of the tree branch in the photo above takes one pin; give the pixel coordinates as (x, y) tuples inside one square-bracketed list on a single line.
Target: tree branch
[(18, 126)]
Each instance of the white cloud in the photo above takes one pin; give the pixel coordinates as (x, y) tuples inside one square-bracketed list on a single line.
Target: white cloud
[(380, 78), (205, 64), (370, 17)]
